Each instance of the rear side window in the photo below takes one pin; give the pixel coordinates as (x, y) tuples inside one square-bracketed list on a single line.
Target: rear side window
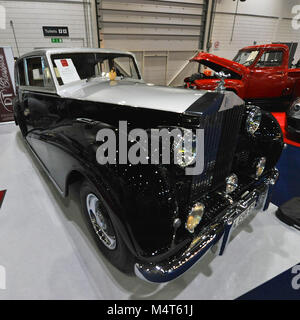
[(270, 58), (38, 75), (35, 72)]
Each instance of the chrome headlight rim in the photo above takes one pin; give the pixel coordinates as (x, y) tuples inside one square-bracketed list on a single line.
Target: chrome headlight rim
[(295, 107), (180, 153), (253, 120)]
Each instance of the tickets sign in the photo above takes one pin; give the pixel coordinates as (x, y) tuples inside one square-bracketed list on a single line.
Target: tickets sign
[(56, 31)]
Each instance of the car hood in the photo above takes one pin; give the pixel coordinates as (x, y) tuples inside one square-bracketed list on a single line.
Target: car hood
[(217, 63), (132, 93)]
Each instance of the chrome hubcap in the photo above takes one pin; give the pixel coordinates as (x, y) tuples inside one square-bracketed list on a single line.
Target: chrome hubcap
[(101, 224)]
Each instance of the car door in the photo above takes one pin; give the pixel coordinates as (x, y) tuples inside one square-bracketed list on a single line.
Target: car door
[(268, 78), (42, 108)]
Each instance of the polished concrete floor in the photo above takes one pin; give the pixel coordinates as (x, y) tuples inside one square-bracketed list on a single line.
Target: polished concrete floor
[(47, 252)]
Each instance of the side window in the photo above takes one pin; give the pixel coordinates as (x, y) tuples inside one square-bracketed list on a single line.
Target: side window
[(125, 67), (38, 74), (21, 73), (270, 59), (35, 72)]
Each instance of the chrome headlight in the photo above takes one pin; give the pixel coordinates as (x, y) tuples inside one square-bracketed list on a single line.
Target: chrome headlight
[(295, 107), (260, 165), (253, 120), (185, 149), (231, 183), (195, 217)]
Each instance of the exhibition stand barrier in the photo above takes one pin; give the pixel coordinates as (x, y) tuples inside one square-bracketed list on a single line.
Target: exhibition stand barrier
[(288, 185), (281, 118), (286, 196)]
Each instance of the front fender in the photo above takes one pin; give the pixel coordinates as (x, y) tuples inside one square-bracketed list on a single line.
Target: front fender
[(140, 196)]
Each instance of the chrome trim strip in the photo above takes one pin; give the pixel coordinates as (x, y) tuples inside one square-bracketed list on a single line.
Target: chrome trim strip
[(228, 228), (38, 89)]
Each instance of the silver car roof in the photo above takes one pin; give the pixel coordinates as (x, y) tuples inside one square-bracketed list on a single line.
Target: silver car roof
[(49, 51)]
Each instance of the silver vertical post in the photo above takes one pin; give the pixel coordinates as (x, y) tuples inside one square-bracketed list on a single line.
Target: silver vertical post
[(13, 29)]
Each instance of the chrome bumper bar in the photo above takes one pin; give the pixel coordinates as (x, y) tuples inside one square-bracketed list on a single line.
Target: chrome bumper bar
[(215, 236)]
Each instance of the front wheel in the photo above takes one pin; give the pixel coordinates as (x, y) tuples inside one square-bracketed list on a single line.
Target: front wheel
[(108, 238)]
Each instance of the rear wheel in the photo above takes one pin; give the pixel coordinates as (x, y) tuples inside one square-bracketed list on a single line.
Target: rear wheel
[(106, 234)]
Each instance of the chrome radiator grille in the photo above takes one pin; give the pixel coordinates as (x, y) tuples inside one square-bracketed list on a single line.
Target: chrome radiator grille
[(221, 133)]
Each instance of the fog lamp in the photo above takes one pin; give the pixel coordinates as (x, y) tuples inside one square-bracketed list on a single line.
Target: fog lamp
[(260, 166), (195, 217), (231, 183)]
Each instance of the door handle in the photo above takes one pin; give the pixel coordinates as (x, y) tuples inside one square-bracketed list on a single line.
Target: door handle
[(26, 112)]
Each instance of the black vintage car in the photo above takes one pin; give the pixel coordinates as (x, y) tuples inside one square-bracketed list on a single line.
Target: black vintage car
[(154, 219), (292, 125)]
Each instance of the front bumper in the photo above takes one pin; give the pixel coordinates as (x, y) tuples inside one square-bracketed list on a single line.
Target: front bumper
[(215, 236)]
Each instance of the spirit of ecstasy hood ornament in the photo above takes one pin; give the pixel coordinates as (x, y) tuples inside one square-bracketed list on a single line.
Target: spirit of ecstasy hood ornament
[(221, 84)]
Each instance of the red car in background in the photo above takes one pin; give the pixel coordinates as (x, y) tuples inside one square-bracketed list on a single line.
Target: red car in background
[(259, 74)]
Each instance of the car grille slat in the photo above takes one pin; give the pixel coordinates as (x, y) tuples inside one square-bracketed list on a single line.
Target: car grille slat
[(227, 145), (212, 132), (221, 132)]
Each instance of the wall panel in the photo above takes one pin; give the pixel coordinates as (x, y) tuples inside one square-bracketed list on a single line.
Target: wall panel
[(172, 28), (29, 16)]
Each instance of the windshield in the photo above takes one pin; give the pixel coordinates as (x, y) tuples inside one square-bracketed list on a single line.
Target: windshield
[(246, 57), (69, 67)]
